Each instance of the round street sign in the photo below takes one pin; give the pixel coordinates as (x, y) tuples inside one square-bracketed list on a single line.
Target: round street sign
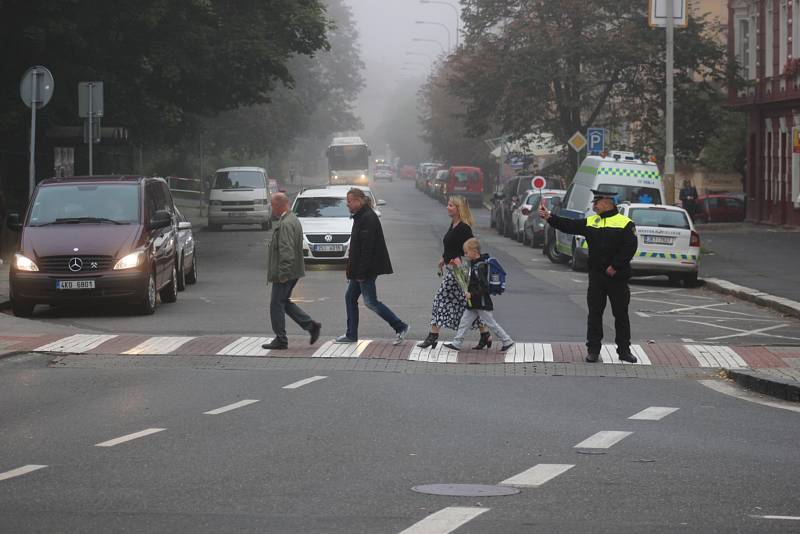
[(538, 182), (44, 86)]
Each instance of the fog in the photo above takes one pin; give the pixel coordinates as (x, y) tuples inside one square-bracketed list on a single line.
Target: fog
[(393, 76)]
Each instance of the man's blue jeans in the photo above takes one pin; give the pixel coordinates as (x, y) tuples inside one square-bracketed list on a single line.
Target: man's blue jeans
[(367, 288)]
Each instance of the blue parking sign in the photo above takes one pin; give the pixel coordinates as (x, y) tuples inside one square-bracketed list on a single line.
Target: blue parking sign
[(597, 140)]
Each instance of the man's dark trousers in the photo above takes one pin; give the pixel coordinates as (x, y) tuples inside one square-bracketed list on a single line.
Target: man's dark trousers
[(280, 305), (615, 289)]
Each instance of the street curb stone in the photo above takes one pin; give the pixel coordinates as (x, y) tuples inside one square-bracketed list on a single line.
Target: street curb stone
[(772, 386), (783, 305)]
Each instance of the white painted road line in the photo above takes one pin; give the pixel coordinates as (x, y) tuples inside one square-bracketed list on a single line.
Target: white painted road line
[(779, 517), (304, 382), (24, 470), (230, 407), (603, 440), (529, 352), (608, 354), (743, 394), (329, 349), (246, 346), (77, 344), (129, 437), (159, 345), (440, 354), (537, 475), (445, 520), (716, 356), (653, 413)]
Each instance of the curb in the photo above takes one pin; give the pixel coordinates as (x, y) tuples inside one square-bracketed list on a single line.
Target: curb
[(773, 386), (783, 305)]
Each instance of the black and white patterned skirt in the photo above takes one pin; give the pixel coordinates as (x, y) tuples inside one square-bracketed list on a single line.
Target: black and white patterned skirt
[(449, 303)]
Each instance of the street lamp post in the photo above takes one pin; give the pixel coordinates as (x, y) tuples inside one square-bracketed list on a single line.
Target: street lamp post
[(449, 40), (430, 41), (454, 8)]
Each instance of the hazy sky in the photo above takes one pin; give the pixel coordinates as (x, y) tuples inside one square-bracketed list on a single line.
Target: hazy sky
[(387, 28)]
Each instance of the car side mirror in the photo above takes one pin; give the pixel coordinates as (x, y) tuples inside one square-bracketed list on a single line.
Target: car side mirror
[(184, 225), (381, 202), (13, 222), (160, 219)]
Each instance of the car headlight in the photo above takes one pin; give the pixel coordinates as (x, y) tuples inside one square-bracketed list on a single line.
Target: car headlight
[(23, 263), (130, 261), (261, 202)]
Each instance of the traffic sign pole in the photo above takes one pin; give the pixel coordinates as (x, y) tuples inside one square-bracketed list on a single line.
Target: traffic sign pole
[(669, 160), (91, 130), (34, 104)]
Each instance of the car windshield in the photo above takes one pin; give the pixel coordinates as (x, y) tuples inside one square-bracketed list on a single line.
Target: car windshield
[(659, 218), (463, 177), (240, 180), (632, 194), (86, 203), (321, 207)]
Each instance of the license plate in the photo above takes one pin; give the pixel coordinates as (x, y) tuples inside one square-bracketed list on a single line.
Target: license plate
[(658, 239), (328, 248), (74, 284)]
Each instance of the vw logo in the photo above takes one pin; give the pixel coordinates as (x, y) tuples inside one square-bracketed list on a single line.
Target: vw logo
[(75, 264), (329, 238)]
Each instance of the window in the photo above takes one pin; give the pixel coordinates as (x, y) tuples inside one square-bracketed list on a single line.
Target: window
[(769, 57), (70, 203), (659, 218), (240, 180), (633, 194), (321, 207), (743, 48), (783, 45), (580, 199), (795, 28)]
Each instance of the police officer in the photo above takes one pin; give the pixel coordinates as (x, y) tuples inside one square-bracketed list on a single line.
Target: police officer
[(611, 238)]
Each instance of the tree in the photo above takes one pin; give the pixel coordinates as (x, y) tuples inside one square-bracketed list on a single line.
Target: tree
[(540, 66)]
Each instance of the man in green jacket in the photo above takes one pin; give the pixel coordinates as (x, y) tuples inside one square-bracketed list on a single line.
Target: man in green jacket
[(285, 268)]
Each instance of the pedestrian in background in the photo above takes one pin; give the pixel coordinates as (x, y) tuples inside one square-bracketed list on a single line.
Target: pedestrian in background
[(449, 302), (285, 268), (688, 198), (479, 302), (369, 258), (612, 242)]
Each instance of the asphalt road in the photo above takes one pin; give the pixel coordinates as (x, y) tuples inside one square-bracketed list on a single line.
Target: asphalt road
[(544, 302), (342, 453)]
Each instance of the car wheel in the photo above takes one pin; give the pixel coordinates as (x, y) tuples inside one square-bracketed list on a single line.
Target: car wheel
[(181, 276), (148, 304), (170, 292), (574, 262), (519, 235), (21, 308), (191, 277), (690, 280), (675, 279), (553, 254)]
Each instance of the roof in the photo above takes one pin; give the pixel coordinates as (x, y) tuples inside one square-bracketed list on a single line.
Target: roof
[(348, 187), (323, 192), (231, 169), (96, 178), (661, 207), (354, 140)]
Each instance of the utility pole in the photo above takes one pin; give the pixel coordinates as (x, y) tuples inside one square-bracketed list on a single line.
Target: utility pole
[(669, 160)]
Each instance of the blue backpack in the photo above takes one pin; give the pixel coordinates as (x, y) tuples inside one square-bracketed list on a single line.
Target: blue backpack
[(497, 277)]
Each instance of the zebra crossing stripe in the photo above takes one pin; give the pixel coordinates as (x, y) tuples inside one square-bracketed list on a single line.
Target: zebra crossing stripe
[(329, 349), (77, 344), (529, 352), (246, 346), (608, 354), (716, 356), (159, 345), (440, 354)]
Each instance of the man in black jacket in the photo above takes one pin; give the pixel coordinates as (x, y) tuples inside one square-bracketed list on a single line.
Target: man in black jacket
[(368, 259), (612, 242)]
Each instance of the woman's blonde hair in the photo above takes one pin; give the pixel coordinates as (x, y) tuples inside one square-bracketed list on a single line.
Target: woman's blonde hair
[(463, 209)]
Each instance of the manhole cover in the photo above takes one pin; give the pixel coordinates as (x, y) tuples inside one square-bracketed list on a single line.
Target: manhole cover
[(466, 490)]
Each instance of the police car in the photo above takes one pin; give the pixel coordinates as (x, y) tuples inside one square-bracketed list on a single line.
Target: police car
[(668, 242)]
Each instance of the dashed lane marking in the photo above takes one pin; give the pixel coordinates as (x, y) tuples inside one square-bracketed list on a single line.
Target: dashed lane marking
[(608, 354), (246, 346), (537, 475), (24, 470), (653, 413), (130, 437), (445, 520), (716, 356), (440, 354), (529, 352), (230, 407), (329, 349), (159, 345), (77, 344), (603, 439), (304, 382), (778, 517)]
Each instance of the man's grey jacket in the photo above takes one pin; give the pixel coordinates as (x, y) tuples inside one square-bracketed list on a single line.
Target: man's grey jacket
[(285, 260)]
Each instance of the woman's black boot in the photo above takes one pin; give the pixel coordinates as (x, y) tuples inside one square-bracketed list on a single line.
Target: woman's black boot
[(431, 341), (486, 341)]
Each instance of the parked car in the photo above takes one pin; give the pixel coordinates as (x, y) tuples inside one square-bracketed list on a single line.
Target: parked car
[(187, 252), (438, 189), (466, 182), (720, 208), (533, 226), (239, 195), (326, 223), (383, 172), (507, 198), (425, 174), (99, 238), (668, 242), (408, 172)]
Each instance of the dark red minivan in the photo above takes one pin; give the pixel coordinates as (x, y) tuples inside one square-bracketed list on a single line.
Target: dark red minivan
[(466, 182), (89, 239)]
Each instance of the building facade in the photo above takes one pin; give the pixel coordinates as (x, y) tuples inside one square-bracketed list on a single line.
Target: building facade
[(764, 37)]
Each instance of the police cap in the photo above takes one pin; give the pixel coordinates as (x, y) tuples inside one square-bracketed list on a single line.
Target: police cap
[(599, 195)]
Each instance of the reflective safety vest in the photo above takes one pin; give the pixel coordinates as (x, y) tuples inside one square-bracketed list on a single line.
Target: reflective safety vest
[(617, 221)]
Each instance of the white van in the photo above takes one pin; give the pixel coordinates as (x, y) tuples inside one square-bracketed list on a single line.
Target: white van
[(632, 179), (239, 195)]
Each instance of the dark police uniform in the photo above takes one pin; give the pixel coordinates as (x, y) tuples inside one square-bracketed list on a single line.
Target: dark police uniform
[(611, 239)]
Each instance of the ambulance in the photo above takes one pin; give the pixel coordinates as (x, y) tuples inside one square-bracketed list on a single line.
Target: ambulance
[(633, 180)]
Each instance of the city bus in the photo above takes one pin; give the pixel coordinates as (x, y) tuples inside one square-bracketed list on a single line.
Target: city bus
[(348, 161)]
